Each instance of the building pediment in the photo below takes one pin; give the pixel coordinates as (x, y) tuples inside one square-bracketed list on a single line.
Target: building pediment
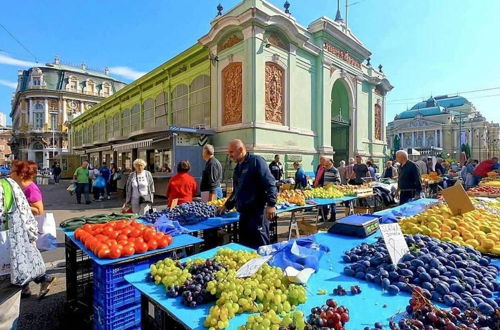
[(416, 123)]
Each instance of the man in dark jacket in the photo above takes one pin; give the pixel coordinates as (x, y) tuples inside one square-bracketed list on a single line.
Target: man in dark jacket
[(212, 174), (254, 195), (276, 168), (409, 182)]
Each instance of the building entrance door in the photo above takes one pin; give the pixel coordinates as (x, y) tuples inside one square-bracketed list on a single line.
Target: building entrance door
[(341, 122), (39, 158)]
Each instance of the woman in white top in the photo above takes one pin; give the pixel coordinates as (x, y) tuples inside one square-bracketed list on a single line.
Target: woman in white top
[(140, 188)]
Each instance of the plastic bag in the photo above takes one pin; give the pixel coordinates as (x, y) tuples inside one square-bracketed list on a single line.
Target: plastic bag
[(71, 188), (167, 226), (299, 253), (46, 232), (99, 182)]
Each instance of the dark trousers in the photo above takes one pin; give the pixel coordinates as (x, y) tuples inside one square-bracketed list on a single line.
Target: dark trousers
[(56, 178), (406, 196), (326, 211), (254, 229), (82, 188)]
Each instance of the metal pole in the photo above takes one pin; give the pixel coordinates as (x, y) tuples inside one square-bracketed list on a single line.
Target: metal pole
[(346, 13)]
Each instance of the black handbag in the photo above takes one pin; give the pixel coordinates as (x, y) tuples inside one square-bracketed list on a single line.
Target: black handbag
[(143, 199)]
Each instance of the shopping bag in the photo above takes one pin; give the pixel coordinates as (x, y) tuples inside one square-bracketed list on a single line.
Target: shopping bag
[(99, 182), (47, 232), (4, 253), (71, 188)]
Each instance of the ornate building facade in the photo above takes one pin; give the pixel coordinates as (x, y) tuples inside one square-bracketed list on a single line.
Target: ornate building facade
[(5, 135), (47, 98), (440, 126), (257, 75)]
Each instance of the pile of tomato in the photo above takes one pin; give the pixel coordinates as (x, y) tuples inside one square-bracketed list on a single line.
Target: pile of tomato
[(121, 238)]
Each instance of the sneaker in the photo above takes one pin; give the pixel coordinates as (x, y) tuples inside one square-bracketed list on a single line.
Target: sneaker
[(45, 287), (109, 197), (26, 292)]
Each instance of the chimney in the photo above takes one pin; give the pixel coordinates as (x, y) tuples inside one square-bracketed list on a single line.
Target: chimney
[(57, 60), (84, 66), (106, 71)]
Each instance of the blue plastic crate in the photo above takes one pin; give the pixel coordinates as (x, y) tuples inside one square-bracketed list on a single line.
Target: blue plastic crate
[(110, 299), (129, 317)]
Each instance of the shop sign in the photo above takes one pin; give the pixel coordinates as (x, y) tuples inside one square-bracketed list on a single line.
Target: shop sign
[(341, 54)]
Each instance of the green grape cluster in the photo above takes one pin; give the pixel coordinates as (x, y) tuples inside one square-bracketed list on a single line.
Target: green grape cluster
[(266, 290), (231, 259), (271, 320), (168, 272)]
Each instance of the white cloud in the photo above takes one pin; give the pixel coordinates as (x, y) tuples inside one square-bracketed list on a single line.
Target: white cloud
[(126, 72), (7, 83), (5, 59)]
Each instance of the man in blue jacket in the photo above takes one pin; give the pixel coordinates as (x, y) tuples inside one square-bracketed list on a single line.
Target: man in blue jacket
[(254, 195)]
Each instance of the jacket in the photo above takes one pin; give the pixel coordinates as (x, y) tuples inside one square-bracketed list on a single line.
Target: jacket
[(331, 176), (276, 169), (129, 187), (254, 186), (183, 187), (211, 176), (409, 177), (300, 178)]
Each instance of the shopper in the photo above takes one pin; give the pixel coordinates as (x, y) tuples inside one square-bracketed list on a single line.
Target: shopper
[(140, 188), (409, 182), (483, 168), (98, 192), (342, 171), (439, 168), (114, 178), (390, 171), (349, 172), (56, 172), (371, 169), (320, 171), (254, 195), (23, 173), (331, 176), (212, 174), (106, 174), (181, 186), (276, 168), (81, 176), (467, 173), (422, 166), (300, 176), (360, 171)]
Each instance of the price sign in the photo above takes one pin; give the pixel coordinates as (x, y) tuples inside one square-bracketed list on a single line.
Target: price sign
[(457, 199), (252, 266), (394, 241), (174, 203)]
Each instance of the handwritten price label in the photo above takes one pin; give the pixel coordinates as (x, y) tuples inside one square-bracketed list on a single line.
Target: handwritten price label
[(394, 241), (252, 266)]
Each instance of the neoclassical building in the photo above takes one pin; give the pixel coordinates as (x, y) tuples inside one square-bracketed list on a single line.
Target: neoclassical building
[(47, 98), (258, 75), (440, 125)]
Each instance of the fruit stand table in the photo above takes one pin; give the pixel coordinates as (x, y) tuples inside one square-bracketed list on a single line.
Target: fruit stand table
[(372, 305), (115, 303), (406, 210)]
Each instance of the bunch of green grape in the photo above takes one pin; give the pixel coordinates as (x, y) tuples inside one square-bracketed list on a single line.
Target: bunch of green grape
[(169, 272), (232, 259), (271, 320)]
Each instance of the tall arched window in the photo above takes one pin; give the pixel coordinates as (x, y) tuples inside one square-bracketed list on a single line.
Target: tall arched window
[(116, 125), (148, 113), (126, 122), (161, 103), (199, 101), (109, 127), (90, 88), (38, 115), (180, 111), (135, 118)]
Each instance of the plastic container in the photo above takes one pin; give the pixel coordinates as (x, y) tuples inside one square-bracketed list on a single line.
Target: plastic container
[(113, 299), (123, 319)]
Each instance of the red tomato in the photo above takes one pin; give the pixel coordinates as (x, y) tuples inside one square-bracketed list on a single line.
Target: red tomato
[(114, 234), (87, 228), (123, 242), (139, 240), (126, 231), (120, 224), (78, 233), (122, 237), (148, 235), (141, 247), (104, 252), (152, 244), (159, 236), (128, 250), (89, 242), (134, 233), (98, 230), (131, 243), (111, 224), (111, 242), (115, 252), (108, 231), (96, 246), (170, 239), (162, 242), (102, 238)]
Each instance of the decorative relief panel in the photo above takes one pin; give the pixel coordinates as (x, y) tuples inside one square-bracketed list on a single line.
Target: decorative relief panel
[(275, 86), (232, 93), (53, 105), (230, 42), (378, 122)]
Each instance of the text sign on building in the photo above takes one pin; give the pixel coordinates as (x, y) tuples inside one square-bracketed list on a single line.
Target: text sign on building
[(341, 54)]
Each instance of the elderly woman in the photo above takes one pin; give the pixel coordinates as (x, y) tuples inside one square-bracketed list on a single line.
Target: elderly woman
[(140, 188), (342, 172)]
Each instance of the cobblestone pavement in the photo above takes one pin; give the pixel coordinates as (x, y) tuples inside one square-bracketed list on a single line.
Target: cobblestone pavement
[(49, 313)]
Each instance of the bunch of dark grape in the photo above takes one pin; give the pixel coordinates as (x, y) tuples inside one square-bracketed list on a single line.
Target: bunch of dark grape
[(339, 291), (328, 316), (193, 291), (192, 212), (152, 217), (454, 275)]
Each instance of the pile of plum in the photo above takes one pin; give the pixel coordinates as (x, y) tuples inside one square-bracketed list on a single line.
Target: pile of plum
[(450, 274), (186, 213)]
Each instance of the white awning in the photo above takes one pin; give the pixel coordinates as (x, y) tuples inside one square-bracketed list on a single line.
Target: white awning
[(132, 145), (89, 151)]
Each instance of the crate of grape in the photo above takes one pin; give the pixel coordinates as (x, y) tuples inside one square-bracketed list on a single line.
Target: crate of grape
[(185, 213)]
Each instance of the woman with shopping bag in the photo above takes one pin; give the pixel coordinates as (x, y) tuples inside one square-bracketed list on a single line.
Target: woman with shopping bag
[(23, 173)]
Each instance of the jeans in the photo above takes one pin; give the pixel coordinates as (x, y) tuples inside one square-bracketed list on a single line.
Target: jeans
[(254, 228), (56, 178), (407, 196), (82, 188)]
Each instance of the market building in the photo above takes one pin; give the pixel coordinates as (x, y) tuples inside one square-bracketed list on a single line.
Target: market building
[(47, 98), (440, 126), (257, 75)]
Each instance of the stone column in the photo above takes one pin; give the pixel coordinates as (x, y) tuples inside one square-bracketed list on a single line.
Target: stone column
[(413, 139), (30, 112), (46, 114), (423, 138), (64, 113), (82, 107), (436, 138)]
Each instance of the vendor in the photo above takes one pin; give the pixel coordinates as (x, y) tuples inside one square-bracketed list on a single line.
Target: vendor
[(483, 168), (181, 186), (409, 183), (360, 170), (276, 168), (390, 171), (254, 195), (212, 174)]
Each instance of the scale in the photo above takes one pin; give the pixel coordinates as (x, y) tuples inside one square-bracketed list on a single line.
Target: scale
[(360, 225)]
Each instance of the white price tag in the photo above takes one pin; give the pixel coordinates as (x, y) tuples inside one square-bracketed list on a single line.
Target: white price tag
[(252, 266), (394, 241)]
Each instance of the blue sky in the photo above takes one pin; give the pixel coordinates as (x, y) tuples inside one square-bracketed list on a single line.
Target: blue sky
[(427, 47)]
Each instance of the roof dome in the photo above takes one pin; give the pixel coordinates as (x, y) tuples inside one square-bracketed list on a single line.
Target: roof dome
[(433, 106)]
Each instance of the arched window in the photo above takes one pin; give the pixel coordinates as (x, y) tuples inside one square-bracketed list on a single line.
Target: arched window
[(95, 132), (161, 103), (90, 87), (126, 122), (180, 112), (148, 108), (199, 101), (106, 89), (116, 125), (72, 84), (38, 115), (109, 127), (135, 118)]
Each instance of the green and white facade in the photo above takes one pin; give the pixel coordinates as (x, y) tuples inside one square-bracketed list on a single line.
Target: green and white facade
[(259, 76)]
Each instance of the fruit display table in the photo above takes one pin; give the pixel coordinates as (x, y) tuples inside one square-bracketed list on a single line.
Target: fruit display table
[(406, 210), (376, 306), (115, 304)]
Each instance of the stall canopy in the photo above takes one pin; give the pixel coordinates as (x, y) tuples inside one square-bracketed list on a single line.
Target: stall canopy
[(133, 145), (106, 148)]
